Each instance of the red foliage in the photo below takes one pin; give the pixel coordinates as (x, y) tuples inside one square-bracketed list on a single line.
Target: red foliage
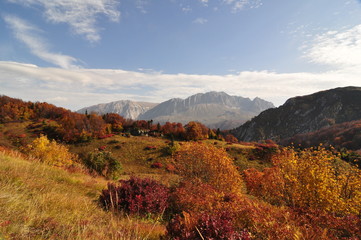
[(102, 148), (215, 226), (136, 196), (68, 126), (156, 165), (345, 134), (150, 148), (175, 129), (105, 136), (230, 138)]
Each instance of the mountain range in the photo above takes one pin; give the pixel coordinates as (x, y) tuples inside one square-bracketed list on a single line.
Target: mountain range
[(214, 109)]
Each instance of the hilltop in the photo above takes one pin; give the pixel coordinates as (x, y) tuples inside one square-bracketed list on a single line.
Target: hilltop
[(303, 114)]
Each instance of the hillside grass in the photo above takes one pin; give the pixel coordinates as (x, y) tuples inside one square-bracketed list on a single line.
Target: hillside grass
[(134, 156), (42, 202)]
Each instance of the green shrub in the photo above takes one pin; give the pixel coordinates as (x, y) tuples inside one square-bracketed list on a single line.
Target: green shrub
[(172, 148), (104, 164)]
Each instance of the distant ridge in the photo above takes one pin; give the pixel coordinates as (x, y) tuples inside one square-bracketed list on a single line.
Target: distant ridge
[(214, 109), (303, 114), (125, 108)]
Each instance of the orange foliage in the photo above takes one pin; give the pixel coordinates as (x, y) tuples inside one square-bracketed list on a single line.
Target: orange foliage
[(196, 131), (208, 164)]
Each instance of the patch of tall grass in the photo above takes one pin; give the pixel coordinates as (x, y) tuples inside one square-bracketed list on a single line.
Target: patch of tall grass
[(43, 202)]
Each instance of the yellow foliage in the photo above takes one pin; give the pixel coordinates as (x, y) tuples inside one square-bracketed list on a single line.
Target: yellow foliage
[(211, 165), (50, 152), (314, 178)]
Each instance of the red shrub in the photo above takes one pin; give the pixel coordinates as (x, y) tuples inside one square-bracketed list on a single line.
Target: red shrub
[(102, 148), (136, 196), (150, 148), (106, 136), (217, 226), (156, 165)]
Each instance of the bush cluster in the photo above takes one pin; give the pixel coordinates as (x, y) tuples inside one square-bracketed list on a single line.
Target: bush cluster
[(136, 196)]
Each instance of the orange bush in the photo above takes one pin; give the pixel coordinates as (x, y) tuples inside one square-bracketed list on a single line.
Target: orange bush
[(208, 164)]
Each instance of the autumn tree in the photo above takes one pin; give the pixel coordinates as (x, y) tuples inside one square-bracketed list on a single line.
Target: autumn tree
[(115, 120), (195, 131), (230, 138)]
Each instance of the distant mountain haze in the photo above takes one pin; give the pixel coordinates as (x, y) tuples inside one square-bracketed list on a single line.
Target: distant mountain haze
[(125, 108), (214, 109), (303, 114)]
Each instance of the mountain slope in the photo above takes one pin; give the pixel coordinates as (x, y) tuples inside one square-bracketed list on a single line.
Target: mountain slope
[(125, 108), (214, 109), (303, 114)]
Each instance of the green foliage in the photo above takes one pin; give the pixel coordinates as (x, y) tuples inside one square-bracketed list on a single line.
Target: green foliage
[(172, 148), (104, 164)]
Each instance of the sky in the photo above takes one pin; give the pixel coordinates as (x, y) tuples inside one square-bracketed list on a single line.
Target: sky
[(77, 53)]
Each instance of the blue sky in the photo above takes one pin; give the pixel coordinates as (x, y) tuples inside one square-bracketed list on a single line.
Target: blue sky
[(78, 53)]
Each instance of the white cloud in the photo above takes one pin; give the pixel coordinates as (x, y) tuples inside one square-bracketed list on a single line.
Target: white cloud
[(80, 15), (200, 20), (77, 88), (337, 48), (28, 34)]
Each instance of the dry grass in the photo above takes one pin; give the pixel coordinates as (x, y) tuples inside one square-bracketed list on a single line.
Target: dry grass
[(133, 155), (43, 202)]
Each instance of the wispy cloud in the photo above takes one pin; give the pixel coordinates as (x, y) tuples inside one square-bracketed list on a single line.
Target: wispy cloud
[(200, 20), (186, 9), (30, 36), (80, 15), (238, 5), (339, 49), (140, 4), (204, 2)]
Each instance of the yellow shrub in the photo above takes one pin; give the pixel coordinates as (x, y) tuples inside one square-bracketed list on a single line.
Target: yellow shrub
[(50, 152), (315, 178)]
